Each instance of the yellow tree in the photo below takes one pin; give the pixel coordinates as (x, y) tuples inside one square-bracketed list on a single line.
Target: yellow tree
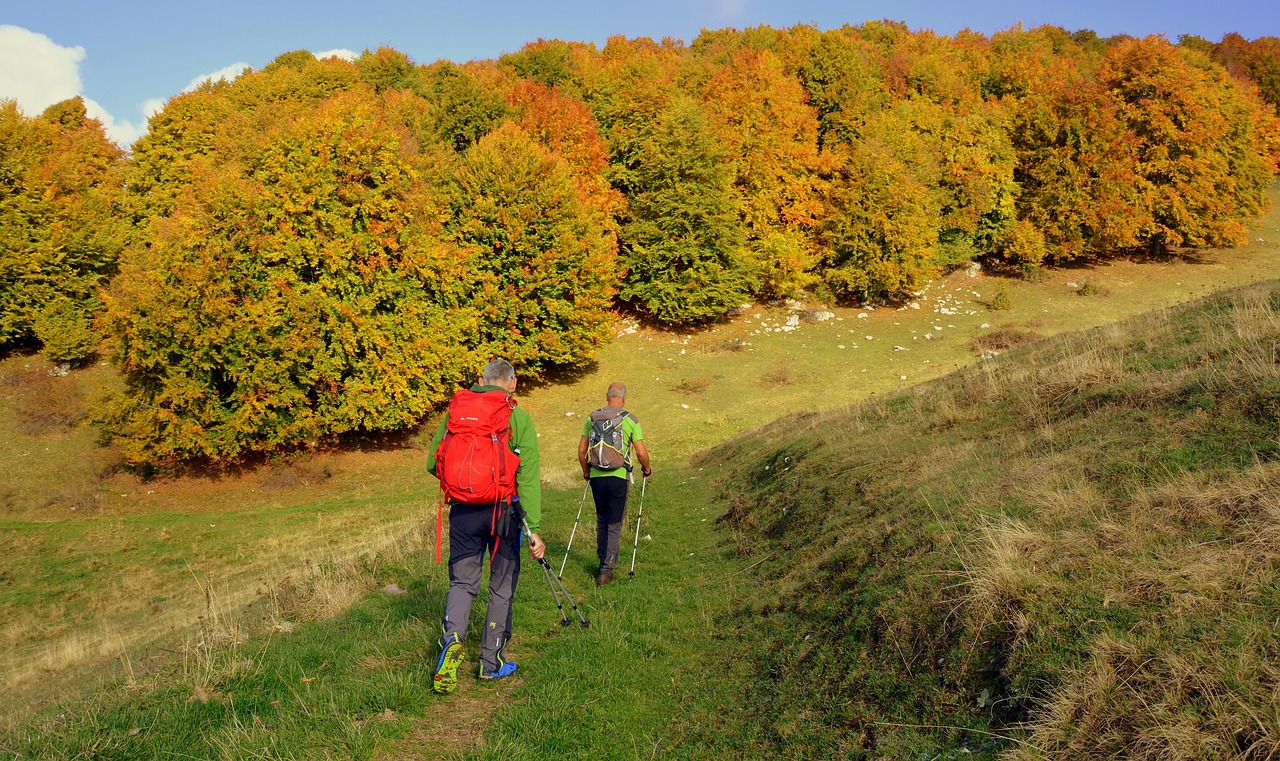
[(61, 229), (770, 135), (301, 294)]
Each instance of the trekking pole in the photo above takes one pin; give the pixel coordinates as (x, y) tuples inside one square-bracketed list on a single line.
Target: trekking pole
[(546, 574), (551, 574), (643, 483), (575, 527)]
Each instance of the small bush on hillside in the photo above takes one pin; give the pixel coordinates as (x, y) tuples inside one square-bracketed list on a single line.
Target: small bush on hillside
[(782, 376), (693, 386), (1001, 301), (1088, 288)]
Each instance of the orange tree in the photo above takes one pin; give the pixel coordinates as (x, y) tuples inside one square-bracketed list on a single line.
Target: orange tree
[(770, 134), (1201, 155)]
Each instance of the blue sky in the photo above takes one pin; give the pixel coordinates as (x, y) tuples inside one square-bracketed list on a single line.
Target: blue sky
[(127, 57)]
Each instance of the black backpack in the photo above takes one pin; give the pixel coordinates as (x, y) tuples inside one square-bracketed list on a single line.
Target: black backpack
[(607, 448)]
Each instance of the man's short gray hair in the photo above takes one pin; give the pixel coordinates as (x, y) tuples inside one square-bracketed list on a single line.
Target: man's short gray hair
[(616, 390), (499, 371)]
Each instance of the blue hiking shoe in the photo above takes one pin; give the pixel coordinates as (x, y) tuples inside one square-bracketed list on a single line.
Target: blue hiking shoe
[(446, 680), (506, 669)]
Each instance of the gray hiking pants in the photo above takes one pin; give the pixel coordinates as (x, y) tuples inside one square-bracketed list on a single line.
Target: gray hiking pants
[(469, 540), (610, 495)]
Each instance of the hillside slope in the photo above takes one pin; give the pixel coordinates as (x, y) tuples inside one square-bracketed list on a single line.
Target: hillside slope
[(1069, 551)]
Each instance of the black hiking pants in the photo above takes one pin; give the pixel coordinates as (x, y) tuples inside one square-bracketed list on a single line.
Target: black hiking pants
[(610, 495)]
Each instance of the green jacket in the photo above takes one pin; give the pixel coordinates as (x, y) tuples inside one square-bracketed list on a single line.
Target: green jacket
[(524, 442)]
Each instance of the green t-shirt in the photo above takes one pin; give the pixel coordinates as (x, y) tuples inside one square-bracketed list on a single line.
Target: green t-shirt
[(631, 433)]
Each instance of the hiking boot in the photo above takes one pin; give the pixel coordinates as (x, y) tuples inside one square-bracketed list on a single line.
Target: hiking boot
[(604, 578), (507, 669), (446, 680)]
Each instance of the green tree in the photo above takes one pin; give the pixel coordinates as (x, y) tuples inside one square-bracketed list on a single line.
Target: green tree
[(541, 269), (683, 244), (880, 228), (463, 111)]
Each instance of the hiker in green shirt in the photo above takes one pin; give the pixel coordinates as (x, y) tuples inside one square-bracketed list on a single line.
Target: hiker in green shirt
[(490, 521), (604, 453)]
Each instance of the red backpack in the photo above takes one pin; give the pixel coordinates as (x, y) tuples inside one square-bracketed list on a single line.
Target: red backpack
[(474, 461)]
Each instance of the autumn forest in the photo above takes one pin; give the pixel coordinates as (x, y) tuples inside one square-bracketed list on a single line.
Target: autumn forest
[(325, 246)]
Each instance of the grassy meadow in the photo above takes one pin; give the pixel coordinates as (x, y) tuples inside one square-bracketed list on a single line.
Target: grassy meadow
[(973, 563)]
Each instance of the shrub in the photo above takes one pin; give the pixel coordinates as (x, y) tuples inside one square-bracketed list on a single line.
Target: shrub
[(1001, 301)]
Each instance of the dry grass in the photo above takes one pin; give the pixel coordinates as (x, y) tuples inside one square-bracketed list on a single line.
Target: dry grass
[(1003, 339), (42, 404), (778, 378), (1150, 694), (693, 386)]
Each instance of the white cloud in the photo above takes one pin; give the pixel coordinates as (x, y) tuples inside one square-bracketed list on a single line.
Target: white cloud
[(36, 71), (730, 8), (122, 133), (228, 73), (342, 53)]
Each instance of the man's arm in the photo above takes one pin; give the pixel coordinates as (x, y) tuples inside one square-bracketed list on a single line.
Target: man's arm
[(524, 439), (583, 444), (642, 454)]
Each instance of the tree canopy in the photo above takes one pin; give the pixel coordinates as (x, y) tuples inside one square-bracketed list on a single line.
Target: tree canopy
[(327, 246)]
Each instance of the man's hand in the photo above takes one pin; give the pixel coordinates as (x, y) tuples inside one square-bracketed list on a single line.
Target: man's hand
[(647, 472), (536, 547)]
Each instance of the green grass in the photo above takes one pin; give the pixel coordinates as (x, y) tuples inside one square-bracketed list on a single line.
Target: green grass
[(111, 586), (358, 685), (1050, 556)]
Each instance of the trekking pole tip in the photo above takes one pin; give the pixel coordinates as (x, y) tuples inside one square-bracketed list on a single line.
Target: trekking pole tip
[(586, 624)]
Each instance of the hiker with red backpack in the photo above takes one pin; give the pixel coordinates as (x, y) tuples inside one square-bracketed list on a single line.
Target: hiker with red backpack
[(485, 454), (604, 452)]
